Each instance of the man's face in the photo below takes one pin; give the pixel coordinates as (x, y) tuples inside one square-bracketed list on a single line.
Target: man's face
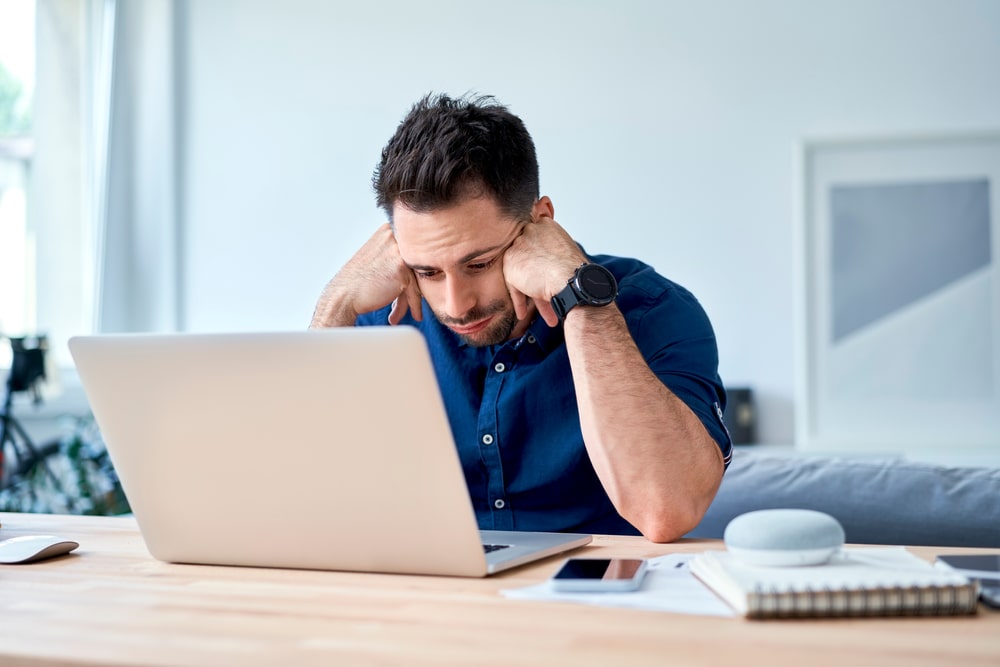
[(456, 254)]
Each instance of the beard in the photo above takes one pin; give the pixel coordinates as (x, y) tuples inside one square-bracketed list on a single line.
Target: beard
[(499, 330)]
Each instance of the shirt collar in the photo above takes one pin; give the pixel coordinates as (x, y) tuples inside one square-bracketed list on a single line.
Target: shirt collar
[(541, 334)]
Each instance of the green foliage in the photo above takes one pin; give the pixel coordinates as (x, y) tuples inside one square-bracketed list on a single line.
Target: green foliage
[(14, 117), (73, 475)]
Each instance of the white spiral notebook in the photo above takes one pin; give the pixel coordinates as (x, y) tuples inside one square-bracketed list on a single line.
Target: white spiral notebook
[(876, 581)]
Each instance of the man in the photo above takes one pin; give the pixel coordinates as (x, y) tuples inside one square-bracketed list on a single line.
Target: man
[(582, 390)]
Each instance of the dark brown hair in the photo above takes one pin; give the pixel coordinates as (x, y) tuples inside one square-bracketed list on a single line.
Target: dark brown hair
[(448, 149)]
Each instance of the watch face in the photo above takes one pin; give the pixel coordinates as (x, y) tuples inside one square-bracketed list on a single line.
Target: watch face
[(597, 284)]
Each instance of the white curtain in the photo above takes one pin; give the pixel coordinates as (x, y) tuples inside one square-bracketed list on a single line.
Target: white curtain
[(136, 230), (99, 58)]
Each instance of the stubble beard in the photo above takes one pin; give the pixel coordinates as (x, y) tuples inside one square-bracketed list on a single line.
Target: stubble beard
[(499, 330)]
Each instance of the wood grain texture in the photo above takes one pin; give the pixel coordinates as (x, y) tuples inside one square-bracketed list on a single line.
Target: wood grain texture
[(111, 603)]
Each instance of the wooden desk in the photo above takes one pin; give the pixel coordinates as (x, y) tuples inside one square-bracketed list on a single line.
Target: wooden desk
[(110, 602)]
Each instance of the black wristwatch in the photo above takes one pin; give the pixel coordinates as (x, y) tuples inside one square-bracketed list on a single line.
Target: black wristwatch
[(591, 285)]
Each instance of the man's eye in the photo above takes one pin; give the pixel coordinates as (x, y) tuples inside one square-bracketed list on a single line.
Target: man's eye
[(426, 275), (482, 266)]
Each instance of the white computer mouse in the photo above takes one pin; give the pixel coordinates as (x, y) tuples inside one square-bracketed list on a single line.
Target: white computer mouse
[(30, 548), (784, 537)]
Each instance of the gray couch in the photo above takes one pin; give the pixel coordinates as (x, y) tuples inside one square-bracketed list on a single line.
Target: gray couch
[(878, 501)]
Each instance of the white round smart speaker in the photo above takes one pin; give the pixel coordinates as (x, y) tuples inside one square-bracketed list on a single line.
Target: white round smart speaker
[(784, 537)]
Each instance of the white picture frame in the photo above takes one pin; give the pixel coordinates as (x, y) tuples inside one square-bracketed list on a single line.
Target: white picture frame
[(898, 294)]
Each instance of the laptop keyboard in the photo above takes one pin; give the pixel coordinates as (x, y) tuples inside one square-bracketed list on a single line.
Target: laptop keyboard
[(490, 548)]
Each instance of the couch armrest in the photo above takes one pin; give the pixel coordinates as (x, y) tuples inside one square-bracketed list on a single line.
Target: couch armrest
[(877, 501)]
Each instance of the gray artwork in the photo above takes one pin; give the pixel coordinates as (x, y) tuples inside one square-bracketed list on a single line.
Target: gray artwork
[(901, 295), (895, 244)]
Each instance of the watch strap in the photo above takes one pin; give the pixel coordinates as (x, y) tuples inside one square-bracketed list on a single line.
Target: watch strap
[(564, 301)]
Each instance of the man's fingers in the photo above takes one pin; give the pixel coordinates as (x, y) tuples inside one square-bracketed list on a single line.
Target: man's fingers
[(399, 308), (548, 314), (407, 301), (412, 293), (520, 302)]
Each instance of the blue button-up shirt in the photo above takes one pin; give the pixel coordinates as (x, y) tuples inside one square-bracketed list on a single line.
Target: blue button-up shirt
[(514, 414)]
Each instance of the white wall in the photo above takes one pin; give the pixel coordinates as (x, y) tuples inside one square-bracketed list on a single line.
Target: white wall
[(666, 130)]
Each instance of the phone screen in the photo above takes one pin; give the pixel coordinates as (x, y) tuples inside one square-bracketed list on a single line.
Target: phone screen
[(984, 565), (606, 569), (599, 575)]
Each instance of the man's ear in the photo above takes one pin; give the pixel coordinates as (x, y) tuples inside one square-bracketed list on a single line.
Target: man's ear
[(543, 209)]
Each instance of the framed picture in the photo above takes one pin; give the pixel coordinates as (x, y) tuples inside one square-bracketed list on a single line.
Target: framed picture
[(898, 261)]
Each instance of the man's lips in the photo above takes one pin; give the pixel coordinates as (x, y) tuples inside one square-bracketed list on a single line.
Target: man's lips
[(472, 328)]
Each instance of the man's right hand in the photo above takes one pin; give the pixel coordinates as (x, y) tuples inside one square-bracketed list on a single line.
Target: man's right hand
[(375, 277)]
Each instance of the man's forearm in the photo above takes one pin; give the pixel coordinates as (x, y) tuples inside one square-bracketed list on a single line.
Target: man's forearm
[(332, 309), (374, 278), (653, 455)]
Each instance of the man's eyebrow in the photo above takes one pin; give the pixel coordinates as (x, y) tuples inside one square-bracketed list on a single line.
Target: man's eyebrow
[(485, 251), (419, 267), (465, 259)]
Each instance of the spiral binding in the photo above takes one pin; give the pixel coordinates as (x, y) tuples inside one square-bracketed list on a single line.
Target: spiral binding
[(842, 602)]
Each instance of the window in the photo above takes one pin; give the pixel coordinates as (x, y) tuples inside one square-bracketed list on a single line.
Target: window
[(51, 71), (17, 258)]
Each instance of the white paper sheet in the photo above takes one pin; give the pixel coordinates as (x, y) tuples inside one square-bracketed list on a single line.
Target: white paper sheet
[(668, 586)]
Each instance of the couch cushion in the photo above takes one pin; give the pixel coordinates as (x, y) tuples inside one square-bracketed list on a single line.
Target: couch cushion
[(878, 501)]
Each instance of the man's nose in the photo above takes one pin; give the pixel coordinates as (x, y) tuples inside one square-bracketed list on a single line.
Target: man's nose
[(459, 298)]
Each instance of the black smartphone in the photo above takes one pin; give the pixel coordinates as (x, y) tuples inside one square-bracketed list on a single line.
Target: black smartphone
[(599, 575), (985, 568)]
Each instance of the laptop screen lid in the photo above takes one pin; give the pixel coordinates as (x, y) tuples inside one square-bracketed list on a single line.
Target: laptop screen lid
[(314, 449)]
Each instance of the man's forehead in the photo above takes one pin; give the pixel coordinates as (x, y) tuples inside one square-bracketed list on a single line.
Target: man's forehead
[(452, 235)]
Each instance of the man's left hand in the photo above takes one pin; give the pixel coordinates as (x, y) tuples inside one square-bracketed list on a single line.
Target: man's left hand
[(538, 265)]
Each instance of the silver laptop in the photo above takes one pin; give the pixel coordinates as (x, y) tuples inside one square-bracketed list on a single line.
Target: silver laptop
[(315, 449)]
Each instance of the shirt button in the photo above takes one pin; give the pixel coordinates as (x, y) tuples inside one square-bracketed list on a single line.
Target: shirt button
[(500, 367), (487, 439), (499, 503), (531, 338)]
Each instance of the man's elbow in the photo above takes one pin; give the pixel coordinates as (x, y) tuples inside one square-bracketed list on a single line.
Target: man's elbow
[(673, 517), (675, 509), (669, 524)]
